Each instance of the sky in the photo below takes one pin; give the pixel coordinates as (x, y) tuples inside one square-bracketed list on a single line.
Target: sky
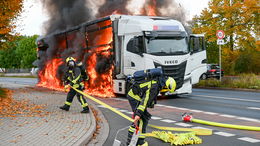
[(33, 17)]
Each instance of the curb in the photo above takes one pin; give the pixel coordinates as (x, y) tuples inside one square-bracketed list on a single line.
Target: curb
[(104, 128), (236, 89), (88, 136)]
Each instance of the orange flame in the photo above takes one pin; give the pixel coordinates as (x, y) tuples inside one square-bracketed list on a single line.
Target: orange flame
[(99, 84), (151, 9), (48, 76)]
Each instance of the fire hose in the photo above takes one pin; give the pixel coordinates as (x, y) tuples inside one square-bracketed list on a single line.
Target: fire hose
[(177, 138), (188, 118)]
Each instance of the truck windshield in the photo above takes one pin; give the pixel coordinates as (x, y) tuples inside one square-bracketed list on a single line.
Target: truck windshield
[(167, 46)]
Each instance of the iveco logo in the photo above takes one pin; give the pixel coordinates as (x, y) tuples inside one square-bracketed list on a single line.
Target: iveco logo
[(171, 61)]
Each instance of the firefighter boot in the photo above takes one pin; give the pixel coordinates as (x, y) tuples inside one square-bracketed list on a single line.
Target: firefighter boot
[(65, 107), (85, 110)]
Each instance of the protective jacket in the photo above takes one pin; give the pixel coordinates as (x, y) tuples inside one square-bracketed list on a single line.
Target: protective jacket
[(73, 77), (142, 95)]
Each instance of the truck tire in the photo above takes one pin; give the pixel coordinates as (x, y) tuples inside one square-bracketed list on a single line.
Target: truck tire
[(203, 77)]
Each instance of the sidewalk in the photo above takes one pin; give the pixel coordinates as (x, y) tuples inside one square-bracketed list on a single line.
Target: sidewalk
[(56, 127)]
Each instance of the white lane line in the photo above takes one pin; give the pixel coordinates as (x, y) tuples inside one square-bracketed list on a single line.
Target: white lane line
[(248, 139), (129, 113), (183, 124), (196, 111), (160, 105), (254, 108), (168, 121), (182, 108), (120, 99), (224, 134), (210, 113), (156, 118), (170, 106), (123, 111), (227, 116), (201, 128), (228, 98), (248, 119), (101, 106)]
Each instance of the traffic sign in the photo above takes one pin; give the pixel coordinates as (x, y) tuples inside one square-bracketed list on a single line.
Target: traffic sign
[(220, 34), (220, 42)]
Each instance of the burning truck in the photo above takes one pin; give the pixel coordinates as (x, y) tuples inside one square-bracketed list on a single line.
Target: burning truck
[(113, 47)]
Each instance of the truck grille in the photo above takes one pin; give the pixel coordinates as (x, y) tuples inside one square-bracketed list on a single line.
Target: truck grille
[(175, 71)]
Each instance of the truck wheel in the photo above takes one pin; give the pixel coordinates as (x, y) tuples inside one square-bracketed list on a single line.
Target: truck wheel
[(203, 77)]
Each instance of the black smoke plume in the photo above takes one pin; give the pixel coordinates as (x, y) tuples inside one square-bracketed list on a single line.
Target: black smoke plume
[(64, 14)]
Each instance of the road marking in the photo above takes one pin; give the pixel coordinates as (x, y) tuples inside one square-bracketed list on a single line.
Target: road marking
[(210, 113), (168, 121), (129, 113), (248, 139), (183, 124), (201, 128), (179, 108), (120, 99), (156, 118), (101, 106), (228, 116), (248, 119), (224, 134), (196, 111), (123, 111), (254, 108), (170, 106), (160, 105), (228, 98)]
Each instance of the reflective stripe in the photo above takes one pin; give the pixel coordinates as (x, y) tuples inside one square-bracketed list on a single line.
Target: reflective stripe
[(147, 83), (140, 107), (131, 129), (85, 105), (131, 94), (146, 97), (82, 102), (76, 85), (75, 80), (141, 135), (68, 103)]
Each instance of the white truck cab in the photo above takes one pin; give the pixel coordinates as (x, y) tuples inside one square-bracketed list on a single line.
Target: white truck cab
[(157, 42)]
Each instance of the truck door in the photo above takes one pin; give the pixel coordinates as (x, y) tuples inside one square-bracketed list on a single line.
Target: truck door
[(134, 59), (198, 57)]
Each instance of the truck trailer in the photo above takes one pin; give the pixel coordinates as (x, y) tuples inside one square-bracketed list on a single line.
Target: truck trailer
[(140, 43)]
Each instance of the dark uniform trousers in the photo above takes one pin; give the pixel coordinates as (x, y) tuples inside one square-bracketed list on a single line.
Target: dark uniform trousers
[(80, 97), (139, 106), (74, 78)]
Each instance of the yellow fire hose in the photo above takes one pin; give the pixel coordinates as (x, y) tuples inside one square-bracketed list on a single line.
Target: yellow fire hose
[(189, 118), (174, 139)]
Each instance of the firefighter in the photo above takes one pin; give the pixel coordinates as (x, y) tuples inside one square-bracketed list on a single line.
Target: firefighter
[(143, 92), (74, 78)]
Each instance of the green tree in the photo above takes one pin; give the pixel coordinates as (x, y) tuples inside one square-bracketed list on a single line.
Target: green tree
[(240, 21), (20, 53), (26, 51)]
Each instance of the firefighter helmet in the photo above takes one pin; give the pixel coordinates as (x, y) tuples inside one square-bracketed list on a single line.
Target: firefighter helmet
[(70, 59), (170, 84)]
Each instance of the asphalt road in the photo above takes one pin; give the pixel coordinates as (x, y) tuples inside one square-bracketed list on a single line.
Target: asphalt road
[(225, 106), (232, 107)]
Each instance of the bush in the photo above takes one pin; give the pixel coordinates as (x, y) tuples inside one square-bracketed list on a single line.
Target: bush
[(248, 81)]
